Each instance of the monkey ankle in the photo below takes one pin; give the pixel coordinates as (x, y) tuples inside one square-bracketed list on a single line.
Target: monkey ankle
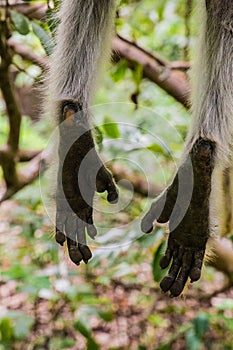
[(68, 108), (203, 154)]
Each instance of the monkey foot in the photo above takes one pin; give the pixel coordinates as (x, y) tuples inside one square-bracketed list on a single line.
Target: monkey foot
[(185, 204), (81, 173)]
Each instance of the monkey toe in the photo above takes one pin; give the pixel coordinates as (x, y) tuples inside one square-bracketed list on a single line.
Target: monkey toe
[(91, 230), (76, 241), (74, 252), (171, 250), (166, 259), (72, 227), (105, 182), (195, 272), (60, 237), (166, 283), (60, 223), (161, 209), (75, 255), (85, 252), (168, 280), (147, 223), (177, 287), (180, 282), (113, 194), (186, 263)]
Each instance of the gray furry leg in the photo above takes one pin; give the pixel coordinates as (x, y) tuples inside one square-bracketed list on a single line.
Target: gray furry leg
[(80, 174), (188, 233)]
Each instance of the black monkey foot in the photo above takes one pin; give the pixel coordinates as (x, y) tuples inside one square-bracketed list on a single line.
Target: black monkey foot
[(80, 174), (185, 204)]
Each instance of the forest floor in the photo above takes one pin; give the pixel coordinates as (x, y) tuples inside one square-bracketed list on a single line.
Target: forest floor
[(47, 303)]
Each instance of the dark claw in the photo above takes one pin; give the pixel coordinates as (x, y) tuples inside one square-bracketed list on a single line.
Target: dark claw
[(75, 254), (168, 280), (195, 274), (85, 251), (113, 196), (105, 182), (182, 278), (177, 288), (166, 283), (166, 259), (60, 237)]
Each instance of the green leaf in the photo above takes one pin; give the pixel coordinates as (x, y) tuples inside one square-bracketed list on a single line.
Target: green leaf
[(160, 10), (193, 343), (107, 316), (119, 71), (33, 284), (50, 20), (17, 271), (15, 325), (23, 326), (158, 273), (159, 149), (6, 330), (123, 2), (201, 324), (137, 74), (45, 39), (92, 345), (82, 326), (98, 136), (21, 23), (147, 241), (110, 128), (157, 321)]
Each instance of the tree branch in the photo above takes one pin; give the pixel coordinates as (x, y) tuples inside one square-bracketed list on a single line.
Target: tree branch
[(35, 11), (167, 75), (173, 81), (7, 91), (27, 175), (8, 154), (140, 185), (27, 54)]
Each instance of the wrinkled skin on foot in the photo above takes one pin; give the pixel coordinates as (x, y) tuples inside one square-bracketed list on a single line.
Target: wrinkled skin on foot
[(185, 204), (80, 174)]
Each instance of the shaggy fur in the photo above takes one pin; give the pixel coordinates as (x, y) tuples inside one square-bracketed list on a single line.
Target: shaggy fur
[(83, 35), (212, 78)]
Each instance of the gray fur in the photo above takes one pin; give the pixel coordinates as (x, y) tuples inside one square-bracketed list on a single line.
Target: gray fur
[(213, 78), (82, 35)]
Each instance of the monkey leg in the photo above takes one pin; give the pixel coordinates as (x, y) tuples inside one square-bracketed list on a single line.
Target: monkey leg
[(80, 174), (185, 204)]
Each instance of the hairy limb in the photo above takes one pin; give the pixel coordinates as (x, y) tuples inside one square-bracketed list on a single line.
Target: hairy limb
[(188, 217), (81, 173), (82, 36), (212, 120)]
